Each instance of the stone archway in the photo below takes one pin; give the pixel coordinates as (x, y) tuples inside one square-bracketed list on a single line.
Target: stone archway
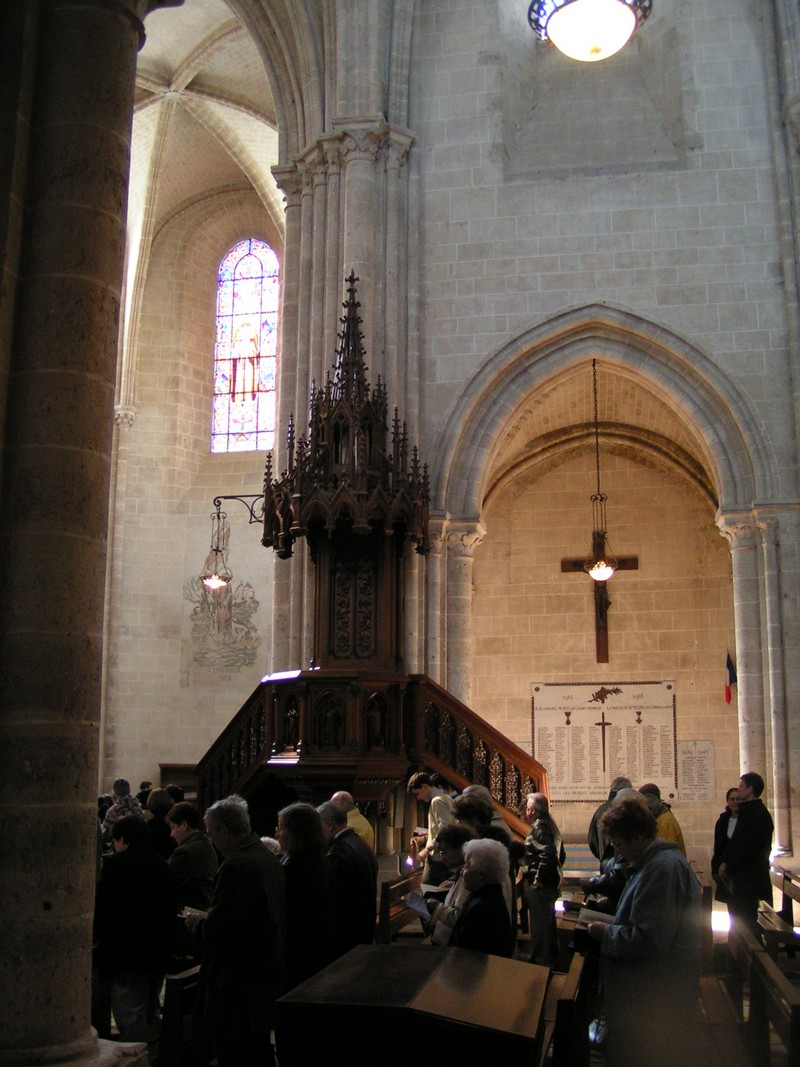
[(720, 448), (742, 468)]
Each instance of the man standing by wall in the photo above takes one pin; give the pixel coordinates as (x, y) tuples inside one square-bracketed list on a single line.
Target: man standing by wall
[(744, 870)]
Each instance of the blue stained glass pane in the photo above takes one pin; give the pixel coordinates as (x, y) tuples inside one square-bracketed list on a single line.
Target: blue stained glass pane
[(219, 421), (225, 298), (222, 377)]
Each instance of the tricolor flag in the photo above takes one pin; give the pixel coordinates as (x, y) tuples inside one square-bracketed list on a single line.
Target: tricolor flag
[(730, 678)]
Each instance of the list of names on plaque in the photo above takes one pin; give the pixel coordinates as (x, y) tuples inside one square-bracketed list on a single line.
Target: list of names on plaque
[(586, 733)]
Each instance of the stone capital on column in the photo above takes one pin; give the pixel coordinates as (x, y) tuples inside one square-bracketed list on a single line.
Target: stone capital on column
[(289, 182), (398, 145), (463, 539), (738, 529), (361, 139), (124, 415)]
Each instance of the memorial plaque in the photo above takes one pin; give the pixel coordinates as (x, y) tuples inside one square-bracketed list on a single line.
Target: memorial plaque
[(696, 771), (586, 733)]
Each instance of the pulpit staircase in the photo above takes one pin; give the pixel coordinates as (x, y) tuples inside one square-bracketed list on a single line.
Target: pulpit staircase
[(319, 731), (358, 495)]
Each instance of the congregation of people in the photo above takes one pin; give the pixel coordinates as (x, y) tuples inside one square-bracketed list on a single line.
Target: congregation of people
[(262, 915)]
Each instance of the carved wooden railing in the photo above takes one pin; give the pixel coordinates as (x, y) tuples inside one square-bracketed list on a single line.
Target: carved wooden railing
[(325, 730), (451, 739)]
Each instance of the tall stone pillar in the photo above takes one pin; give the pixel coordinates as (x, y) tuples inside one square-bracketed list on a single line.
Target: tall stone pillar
[(54, 521), (435, 602), (362, 140), (462, 540), (740, 532), (781, 796)]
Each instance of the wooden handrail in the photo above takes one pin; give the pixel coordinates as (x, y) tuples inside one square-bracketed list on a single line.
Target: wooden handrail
[(453, 740), (280, 727)]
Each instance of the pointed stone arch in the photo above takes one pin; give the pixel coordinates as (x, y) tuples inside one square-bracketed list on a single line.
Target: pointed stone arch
[(743, 468)]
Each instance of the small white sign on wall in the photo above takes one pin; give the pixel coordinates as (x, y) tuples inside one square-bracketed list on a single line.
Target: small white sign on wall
[(696, 771)]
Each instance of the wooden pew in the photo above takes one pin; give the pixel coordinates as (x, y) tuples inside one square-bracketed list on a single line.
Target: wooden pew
[(176, 1047), (565, 1017), (777, 927), (723, 1026), (772, 998), (788, 882), (393, 912)]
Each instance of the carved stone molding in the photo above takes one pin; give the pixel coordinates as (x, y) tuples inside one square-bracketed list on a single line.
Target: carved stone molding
[(289, 182), (738, 530), (461, 543), (361, 139), (124, 415), (398, 145)]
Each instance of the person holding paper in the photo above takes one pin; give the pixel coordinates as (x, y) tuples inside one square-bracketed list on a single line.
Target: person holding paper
[(651, 949)]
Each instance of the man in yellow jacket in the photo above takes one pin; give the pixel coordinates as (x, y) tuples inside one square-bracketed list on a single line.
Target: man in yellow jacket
[(667, 827)]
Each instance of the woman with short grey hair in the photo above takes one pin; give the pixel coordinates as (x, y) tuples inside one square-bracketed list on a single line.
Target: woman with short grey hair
[(484, 923)]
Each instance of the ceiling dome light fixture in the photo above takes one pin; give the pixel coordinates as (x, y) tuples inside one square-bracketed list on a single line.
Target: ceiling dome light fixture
[(588, 30)]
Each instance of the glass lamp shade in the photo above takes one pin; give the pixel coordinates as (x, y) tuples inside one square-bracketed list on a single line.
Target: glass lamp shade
[(215, 572), (587, 30), (601, 569), (601, 565)]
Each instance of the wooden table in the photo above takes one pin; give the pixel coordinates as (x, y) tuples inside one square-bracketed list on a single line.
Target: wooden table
[(384, 1004)]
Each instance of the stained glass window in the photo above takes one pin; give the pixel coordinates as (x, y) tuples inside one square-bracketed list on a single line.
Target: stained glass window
[(245, 361)]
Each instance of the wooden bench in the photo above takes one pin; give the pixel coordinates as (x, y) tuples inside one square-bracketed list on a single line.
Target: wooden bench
[(776, 931), (565, 1018), (723, 1026), (788, 884), (176, 1046), (772, 998), (393, 911)]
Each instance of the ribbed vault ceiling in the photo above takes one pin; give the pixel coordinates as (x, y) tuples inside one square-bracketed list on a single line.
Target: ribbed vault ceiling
[(557, 421)]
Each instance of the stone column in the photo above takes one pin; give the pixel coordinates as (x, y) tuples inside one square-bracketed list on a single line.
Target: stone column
[(54, 521), (361, 145), (334, 273), (395, 367), (285, 652), (740, 532), (435, 600), (462, 540), (781, 798)]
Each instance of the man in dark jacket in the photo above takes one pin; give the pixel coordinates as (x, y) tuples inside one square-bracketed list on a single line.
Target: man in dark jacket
[(244, 936), (194, 862), (744, 870), (355, 877), (544, 858), (134, 926)]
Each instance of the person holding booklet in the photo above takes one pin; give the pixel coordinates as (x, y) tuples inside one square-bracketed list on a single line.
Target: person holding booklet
[(651, 947)]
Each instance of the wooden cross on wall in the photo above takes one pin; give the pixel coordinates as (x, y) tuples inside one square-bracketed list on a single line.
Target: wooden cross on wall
[(601, 599)]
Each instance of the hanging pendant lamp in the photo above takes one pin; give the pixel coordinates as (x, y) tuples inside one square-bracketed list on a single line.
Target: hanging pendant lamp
[(600, 565)]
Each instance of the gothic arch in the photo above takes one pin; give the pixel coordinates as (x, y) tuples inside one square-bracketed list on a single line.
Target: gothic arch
[(743, 468)]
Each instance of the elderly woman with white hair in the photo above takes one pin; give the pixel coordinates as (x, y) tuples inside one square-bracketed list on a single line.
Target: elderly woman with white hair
[(484, 924)]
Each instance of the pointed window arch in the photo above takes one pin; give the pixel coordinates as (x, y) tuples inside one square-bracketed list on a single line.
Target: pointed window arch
[(246, 351)]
